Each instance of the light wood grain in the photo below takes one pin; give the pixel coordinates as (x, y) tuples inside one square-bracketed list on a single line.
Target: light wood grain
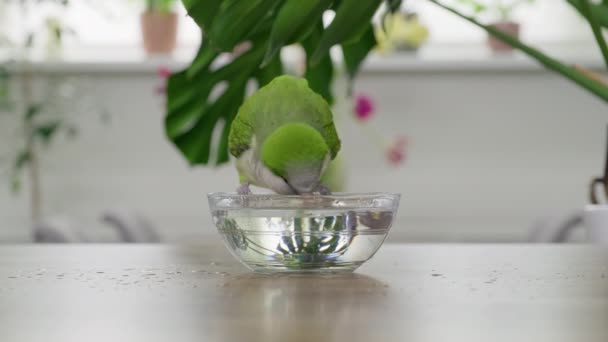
[(406, 293)]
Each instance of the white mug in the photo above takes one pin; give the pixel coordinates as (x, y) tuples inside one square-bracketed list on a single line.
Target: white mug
[(595, 218)]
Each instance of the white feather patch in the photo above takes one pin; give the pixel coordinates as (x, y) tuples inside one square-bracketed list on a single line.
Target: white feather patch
[(251, 167), (305, 179)]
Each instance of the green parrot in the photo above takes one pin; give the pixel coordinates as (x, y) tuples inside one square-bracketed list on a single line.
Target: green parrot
[(283, 138)]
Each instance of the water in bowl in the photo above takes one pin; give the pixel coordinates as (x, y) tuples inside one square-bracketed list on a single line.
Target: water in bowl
[(288, 240)]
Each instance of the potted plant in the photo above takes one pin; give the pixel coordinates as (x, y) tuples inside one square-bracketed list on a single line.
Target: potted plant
[(159, 26), (501, 11), (401, 32), (40, 112)]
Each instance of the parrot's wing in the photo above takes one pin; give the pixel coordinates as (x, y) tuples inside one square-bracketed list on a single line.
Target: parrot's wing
[(240, 136), (331, 139), (313, 109), (284, 100)]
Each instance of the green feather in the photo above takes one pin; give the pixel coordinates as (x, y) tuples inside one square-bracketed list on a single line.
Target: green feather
[(293, 145), (286, 99)]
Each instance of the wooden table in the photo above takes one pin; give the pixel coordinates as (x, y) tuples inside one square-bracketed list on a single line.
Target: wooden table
[(406, 293)]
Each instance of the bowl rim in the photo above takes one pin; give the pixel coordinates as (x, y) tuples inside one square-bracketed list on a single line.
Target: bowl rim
[(215, 197)]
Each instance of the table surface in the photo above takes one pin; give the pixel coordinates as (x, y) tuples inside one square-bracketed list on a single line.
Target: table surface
[(406, 293)]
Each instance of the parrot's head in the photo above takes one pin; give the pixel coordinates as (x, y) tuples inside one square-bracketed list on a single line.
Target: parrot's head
[(298, 153)]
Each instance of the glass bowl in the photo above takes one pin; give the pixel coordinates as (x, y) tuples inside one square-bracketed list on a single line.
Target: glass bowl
[(280, 233)]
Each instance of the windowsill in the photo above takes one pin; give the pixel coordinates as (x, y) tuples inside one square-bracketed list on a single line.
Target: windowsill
[(108, 59)]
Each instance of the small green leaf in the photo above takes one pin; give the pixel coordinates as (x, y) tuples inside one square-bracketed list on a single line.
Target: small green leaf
[(31, 112), (478, 8), (21, 161), (57, 32), (46, 131)]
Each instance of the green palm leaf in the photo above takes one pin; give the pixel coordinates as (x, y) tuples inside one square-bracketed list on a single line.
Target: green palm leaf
[(200, 98), (580, 78)]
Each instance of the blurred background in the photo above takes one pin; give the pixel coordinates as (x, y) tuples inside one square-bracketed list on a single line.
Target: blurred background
[(483, 143)]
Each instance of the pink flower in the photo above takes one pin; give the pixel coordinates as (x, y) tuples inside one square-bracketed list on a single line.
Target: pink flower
[(396, 152), (163, 72), (364, 107)]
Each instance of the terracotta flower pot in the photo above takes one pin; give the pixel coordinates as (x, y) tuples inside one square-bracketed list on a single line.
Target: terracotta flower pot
[(159, 32), (508, 27)]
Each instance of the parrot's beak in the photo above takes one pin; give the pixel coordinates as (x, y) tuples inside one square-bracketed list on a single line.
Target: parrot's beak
[(303, 182), (306, 180)]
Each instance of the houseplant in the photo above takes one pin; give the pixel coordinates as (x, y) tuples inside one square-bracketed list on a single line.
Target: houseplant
[(205, 96), (195, 108), (595, 14), (500, 12), (39, 113), (401, 32), (159, 26)]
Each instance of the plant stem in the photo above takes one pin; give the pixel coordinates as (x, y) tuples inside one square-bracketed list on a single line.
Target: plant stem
[(595, 27), (33, 165), (569, 72)]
